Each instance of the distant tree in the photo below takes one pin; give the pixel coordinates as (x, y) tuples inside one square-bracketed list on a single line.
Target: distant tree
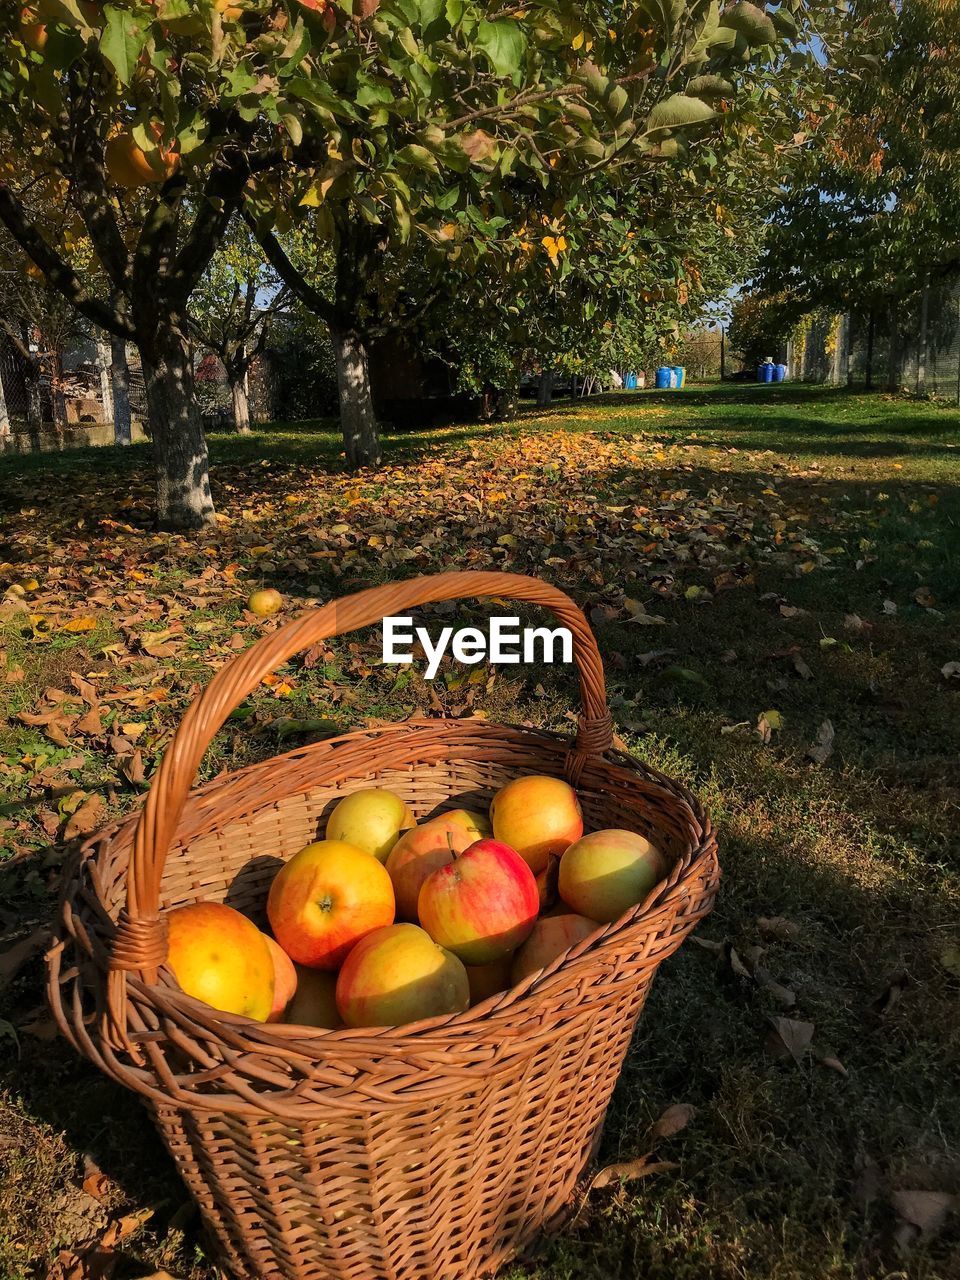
[(232, 311)]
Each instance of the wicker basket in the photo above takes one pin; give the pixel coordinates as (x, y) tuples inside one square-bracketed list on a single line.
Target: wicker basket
[(433, 1151)]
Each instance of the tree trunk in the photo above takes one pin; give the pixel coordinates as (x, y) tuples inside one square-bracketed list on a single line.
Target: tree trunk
[(922, 341), (893, 370), (31, 379), (358, 421), (103, 368), (57, 395), (120, 389), (241, 404), (179, 446), (4, 415), (545, 389), (871, 333)]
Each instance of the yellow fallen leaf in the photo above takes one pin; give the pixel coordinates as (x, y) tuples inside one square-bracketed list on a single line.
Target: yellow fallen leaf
[(81, 624)]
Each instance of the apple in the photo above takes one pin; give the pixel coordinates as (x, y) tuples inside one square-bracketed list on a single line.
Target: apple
[(284, 980), (551, 937), (315, 1002), (474, 822), (399, 974), (222, 958), (265, 602), (130, 166), (487, 979), (371, 820), (421, 851), (33, 33), (323, 901), (537, 816), (482, 905), (606, 873)]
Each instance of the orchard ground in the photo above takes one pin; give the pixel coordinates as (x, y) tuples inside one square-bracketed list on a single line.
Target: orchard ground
[(772, 574)]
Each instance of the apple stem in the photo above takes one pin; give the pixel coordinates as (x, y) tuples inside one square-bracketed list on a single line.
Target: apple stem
[(453, 852)]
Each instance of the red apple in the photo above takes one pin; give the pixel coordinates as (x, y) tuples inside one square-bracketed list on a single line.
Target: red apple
[(397, 975), (421, 851), (315, 1001), (606, 873), (487, 979), (222, 958), (551, 937), (325, 899), (537, 816), (284, 980), (481, 906)]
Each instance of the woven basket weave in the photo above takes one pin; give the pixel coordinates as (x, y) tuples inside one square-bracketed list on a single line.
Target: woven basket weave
[(434, 1151)]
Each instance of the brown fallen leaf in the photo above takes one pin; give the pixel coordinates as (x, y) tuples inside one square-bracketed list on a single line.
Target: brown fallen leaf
[(630, 1171), (779, 927), (950, 671), (821, 750), (86, 819), (14, 958), (715, 948), (673, 1120), (924, 597), (925, 1210), (131, 767), (801, 667), (891, 993), (834, 1064), (789, 1038), (867, 1185), (125, 1227), (81, 624), (90, 724)]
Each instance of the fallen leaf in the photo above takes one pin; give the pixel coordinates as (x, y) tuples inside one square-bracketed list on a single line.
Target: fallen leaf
[(637, 613), (834, 1064), (867, 1185), (779, 927), (801, 667), (81, 624), (891, 993), (673, 1120), (925, 1210), (769, 723), (86, 819), (925, 597), (630, 1171), (14, 958), (950, 671), (789, 1038), (950, 959), (889, 607), (822, 748)]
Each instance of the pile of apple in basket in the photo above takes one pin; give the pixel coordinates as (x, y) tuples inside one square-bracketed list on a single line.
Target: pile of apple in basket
[(482, 904)]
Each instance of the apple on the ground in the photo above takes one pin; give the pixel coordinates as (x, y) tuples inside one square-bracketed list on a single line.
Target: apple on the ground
[(265, 602), (482, 905), (325, 899), (371, 819), (397, 975), (606, 873), (537, 816), (219, 956)]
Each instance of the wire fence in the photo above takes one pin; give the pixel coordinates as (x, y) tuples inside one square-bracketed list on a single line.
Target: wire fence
[(911, 346)]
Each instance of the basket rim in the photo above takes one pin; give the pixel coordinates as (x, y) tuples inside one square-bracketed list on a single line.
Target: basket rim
[(527, 996)]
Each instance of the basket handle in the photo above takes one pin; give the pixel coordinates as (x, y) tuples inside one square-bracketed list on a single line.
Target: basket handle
[(140, 943)]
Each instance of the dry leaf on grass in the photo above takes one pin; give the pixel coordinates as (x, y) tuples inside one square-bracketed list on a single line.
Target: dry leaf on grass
[(925, 1211), (631, 1170), (673, 1120), (950, 671), (821, 750), (779, 927), (789, 1038), (86, 819), (14, 958)]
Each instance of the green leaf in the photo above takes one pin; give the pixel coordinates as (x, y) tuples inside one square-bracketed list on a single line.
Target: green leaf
[(710, 87), (122, 41), (504, 43), (678, 111), (752, 23)]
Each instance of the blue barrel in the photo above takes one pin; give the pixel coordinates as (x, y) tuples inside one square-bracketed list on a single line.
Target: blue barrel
[(766, 373), (780, 373), (665, 377), (681, 373)]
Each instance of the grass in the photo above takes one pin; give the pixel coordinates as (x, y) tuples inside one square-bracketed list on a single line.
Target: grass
[(801, 546)]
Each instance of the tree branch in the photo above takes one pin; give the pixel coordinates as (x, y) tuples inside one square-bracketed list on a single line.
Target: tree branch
[(58, 272), (301, 289)]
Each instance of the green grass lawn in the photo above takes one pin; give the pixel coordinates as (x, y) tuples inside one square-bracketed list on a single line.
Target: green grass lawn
[(756, 562)]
